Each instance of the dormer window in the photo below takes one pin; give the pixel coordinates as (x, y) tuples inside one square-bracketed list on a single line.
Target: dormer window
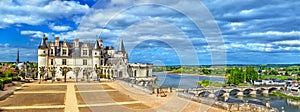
[(84, 52), (64, 52)]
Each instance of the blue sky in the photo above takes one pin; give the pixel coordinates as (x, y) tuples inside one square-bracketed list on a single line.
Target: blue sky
[(253, 31)]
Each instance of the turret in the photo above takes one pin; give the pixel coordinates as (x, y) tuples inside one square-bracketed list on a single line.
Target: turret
[(43, 53), (96, 53)]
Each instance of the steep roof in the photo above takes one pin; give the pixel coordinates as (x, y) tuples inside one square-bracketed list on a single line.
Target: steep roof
[(43, 44), (121, 46), (97, 47)]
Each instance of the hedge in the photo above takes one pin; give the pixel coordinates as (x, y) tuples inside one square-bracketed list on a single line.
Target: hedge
[(1, 84), (16, 79), (7, 80)]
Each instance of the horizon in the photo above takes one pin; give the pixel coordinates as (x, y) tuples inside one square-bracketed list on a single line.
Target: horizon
[(255, 32)]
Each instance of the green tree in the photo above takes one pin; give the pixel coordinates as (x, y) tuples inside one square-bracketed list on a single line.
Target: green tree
[(204, 83), (64, 71)]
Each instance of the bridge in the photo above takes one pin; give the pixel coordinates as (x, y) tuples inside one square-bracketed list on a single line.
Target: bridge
[(233, 91)]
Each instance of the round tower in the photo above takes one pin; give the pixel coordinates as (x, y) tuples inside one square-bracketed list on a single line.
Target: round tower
[(96, 53), (42, 54)]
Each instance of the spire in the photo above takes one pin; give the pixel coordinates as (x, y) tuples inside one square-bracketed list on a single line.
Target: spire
[(18, 54), (121, 46), (43, 44), (96, 47)]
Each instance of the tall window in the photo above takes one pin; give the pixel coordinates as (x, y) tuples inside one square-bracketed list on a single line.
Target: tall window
[(84, 62), (51, 52), (84, 52), (51, 62), (64, 61), (64, 52)]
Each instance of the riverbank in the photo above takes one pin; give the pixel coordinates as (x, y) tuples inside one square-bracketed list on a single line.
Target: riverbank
[(187, 74), (285, 95)]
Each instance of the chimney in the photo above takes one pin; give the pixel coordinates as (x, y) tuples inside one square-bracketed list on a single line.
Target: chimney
[(57, 41), (101, 42), (76, 43)]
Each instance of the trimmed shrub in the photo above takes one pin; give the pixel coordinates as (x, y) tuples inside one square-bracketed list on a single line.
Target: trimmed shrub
[(7, 80), (1, 84), (16, 79)]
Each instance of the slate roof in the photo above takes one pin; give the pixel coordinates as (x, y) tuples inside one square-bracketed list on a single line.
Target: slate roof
[(43, 44)]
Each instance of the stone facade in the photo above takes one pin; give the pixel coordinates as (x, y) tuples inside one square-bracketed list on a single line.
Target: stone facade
[(111, 63)]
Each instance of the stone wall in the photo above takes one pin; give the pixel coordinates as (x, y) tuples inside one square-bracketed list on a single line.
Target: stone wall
[(233, 107), (143, 88)]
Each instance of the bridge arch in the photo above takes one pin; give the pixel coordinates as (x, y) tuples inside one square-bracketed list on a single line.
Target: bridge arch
[(204, 93), (247, 91), (234, 92), (220, 92), (273, 89)]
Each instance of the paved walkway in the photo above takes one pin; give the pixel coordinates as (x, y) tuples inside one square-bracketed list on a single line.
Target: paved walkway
[(36, 97), (71, 101)]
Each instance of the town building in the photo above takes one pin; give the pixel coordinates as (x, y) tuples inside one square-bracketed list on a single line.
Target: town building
[(112, 63)]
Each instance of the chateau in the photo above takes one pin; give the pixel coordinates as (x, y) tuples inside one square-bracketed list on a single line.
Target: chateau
[(112, 63)]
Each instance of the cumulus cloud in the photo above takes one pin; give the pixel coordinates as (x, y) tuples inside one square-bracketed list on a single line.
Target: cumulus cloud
[(37, 12), (276, 33), (34, 34), (4, 45), (59, 28), (253, 28)]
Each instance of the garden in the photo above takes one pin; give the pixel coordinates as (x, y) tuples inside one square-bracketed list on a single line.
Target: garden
[(8, 74)]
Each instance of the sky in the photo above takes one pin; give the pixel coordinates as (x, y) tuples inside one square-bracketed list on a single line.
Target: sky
[(193, 32)]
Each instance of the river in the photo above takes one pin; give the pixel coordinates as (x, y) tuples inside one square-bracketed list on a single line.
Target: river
[(189, 81)]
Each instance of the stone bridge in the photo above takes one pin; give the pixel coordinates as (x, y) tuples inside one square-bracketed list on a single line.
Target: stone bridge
[(236, 91)]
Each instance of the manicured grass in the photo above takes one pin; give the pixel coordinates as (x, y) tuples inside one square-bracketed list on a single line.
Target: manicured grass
[(285, 96)]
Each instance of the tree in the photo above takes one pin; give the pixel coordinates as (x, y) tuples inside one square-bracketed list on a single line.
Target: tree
[(64, 71), (52, 71), (87, 71), (206, 71), (76, 70), (42, 72), (98, 70), (273, 72), (251, 74), (204, 83)]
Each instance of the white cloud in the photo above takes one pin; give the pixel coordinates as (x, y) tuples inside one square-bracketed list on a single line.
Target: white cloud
[(37, 12), (288, 42), (59, 28), (34, 34), (245, 12), (234, 25), (276, 33), (4, 45)]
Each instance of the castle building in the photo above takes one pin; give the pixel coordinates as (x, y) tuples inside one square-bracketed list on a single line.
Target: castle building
[(112, 63)]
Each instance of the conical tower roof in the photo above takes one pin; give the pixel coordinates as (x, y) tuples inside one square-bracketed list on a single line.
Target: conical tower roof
[(121, 46), (43, 44), (97, 47)]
